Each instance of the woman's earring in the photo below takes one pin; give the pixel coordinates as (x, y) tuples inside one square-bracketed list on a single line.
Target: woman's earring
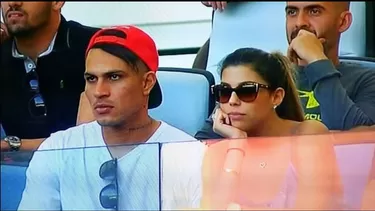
[(275, 106)]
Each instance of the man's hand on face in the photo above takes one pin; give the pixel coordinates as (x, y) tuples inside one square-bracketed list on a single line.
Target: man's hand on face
[(307, 47)]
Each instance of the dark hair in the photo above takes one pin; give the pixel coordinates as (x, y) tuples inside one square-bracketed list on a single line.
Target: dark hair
[(277, 70), (120, 51)]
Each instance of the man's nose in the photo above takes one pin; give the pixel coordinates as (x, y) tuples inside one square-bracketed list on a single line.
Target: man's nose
[(102, 89), (302, 20), (14, 4)]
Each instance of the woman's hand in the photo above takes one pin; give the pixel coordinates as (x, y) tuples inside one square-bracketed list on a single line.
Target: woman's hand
[(222, 126)]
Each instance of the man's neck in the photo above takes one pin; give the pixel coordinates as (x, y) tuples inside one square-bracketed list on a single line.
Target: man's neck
[(137, 132), (33, 45)]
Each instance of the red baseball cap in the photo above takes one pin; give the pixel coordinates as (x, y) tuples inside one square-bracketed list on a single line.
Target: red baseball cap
[(138, 42)]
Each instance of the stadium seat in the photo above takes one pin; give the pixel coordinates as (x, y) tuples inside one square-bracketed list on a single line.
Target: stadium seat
[(2, 132), (187, 100), (362, 61), (13, 180)]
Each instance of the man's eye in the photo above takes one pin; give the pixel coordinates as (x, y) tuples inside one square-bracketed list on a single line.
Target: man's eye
[(90, 78), (291, 12), (114, 77), (315, 11)]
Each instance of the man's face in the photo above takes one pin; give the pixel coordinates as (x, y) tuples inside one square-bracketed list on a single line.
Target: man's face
[(321, 18), (116, 92), (23, 18)]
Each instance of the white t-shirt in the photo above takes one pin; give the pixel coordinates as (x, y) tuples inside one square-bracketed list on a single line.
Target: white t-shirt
[(69, 179)]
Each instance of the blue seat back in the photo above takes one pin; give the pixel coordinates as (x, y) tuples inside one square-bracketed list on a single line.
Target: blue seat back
[(13, 180), (262, 25), (187, 100), (362, 61), (2, 132)]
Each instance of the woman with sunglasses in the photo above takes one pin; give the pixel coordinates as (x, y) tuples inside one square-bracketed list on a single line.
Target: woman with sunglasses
[(275, 169), (258, 97)]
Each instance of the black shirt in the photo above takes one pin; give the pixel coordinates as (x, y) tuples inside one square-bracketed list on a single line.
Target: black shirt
[(60, 78)]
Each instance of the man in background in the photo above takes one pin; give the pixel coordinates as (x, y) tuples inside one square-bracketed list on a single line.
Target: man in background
[(340, 95), (41, 74)]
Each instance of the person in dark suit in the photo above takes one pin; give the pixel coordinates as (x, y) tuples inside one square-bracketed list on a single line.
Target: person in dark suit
[(41, 74)]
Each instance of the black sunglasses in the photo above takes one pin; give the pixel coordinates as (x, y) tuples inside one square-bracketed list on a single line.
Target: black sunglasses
[(37, 107), (246, 91), (109, 194)]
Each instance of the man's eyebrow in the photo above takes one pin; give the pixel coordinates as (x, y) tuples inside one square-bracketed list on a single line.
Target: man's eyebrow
[(290, 8), (309, 7), (87, 74), (312, 6), (110, 72)]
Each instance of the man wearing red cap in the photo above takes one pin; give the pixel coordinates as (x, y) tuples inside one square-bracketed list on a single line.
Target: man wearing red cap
[(121, 85)]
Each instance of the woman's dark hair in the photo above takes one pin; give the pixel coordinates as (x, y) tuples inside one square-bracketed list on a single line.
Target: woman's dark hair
[(277, 71)]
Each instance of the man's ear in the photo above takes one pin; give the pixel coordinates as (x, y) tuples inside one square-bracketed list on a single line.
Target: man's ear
[(278, 96), (57, 5), (149, 80), (346, 19)]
